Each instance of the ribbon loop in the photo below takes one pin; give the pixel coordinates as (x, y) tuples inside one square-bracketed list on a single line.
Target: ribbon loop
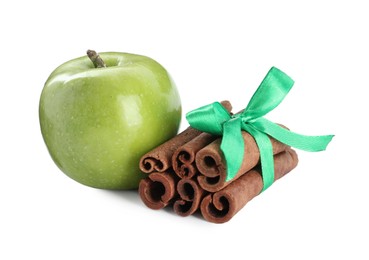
[(270, 93), (209, 118), (215, 119)]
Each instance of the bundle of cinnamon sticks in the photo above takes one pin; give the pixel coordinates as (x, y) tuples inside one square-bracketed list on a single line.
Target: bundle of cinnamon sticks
[(188, 172)]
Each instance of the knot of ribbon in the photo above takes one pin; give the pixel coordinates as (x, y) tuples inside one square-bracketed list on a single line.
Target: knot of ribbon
[(216, 120)]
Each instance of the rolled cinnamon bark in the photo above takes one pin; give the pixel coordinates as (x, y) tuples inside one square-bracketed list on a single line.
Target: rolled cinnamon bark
[(190, 194), (212, 165), (221, 206), (160, 158), (158, 189), (184, 157)]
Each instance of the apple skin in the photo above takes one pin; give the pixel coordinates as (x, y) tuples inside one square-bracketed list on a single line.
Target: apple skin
[(98, 122)]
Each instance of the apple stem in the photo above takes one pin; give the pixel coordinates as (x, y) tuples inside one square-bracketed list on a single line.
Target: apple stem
[(96, 59)]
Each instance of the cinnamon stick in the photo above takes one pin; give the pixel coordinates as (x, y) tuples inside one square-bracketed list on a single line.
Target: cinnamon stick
[(221, 206), (190, 194), (160, 158), (212, 165), (158, 189), (184, 157)]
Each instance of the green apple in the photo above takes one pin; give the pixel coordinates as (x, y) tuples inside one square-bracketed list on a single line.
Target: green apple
[(98, 121)]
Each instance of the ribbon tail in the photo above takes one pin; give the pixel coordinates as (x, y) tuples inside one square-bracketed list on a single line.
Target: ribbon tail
[(266, 156), (232, 147), (302, 142)]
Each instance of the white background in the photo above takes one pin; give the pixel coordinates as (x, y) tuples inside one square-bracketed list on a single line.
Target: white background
[(214, 50)]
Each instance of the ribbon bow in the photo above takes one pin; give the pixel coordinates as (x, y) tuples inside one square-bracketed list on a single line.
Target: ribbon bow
[(215, 119)]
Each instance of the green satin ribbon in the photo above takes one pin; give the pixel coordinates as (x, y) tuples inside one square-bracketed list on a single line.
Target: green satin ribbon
[(215, 119)]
